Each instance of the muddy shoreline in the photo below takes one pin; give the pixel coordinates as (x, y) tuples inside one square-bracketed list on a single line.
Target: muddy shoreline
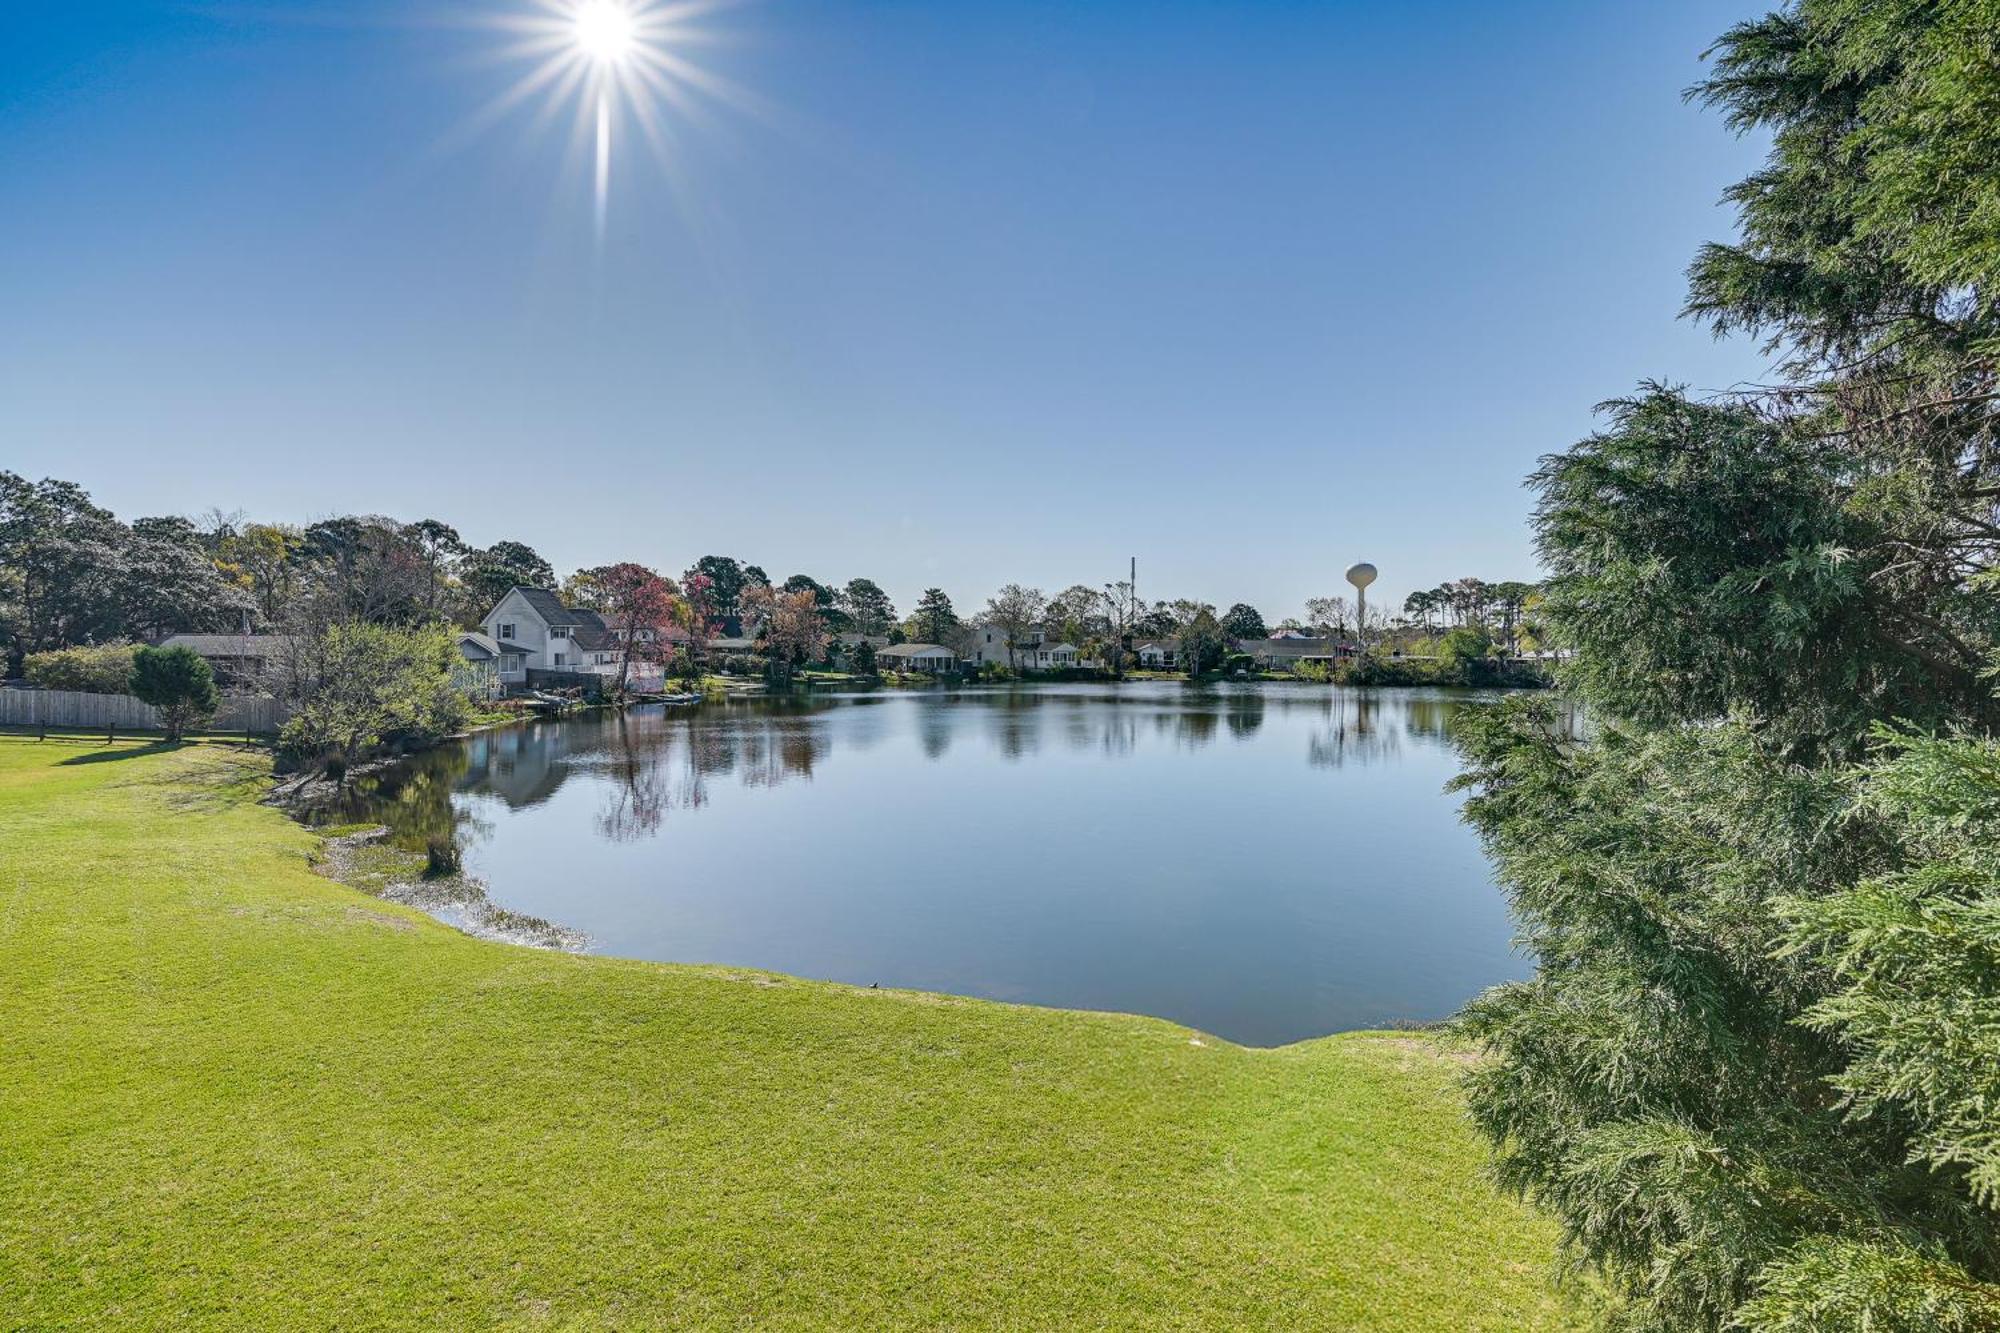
[(363, 859)]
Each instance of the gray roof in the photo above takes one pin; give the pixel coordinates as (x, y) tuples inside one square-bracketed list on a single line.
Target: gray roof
[(917, 650), (550, 608), (480, 643), (227, 645)]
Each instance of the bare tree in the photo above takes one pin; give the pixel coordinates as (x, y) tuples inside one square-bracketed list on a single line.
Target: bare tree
[(1121, 611), (1330, 613)]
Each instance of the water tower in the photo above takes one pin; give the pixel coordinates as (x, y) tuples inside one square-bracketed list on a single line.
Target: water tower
[(1361, 575)]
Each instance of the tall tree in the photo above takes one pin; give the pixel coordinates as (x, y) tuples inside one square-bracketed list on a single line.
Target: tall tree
[(702, 615), (826, 600), (1509, 597), (488, 574), (1755, 1076), (165, 582), (1241, 621), (440, 548), (1076, 615), (587, 589), (794, 633), (726, 579), (1016, 612), (1330, 615), (59, 555), (641, 609), (867, 606), (1121, 610), (933, 621), (266, 558), (1202, 643), (1421, 604)]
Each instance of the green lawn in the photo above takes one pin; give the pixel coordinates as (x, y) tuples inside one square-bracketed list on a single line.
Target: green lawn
[(233, 1093)]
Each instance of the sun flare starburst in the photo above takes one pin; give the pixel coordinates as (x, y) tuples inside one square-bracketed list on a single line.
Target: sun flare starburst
[(610, 64)]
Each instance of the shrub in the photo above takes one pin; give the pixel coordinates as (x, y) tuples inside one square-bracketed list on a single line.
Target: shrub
[(178, 683), (104, 668), (1465, 645), (356, 689)]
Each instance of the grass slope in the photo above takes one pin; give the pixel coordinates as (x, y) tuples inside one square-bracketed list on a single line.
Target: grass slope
[(233, 1093)]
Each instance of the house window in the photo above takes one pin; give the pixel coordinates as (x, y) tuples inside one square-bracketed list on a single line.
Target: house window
[(507, 630), (559, 659)]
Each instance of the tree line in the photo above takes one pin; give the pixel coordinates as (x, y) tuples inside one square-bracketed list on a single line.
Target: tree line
[(72, 573)]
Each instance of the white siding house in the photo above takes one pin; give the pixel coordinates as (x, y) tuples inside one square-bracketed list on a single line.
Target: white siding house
[(548, 636), (487, 666), (917, 657), (1033, 651)]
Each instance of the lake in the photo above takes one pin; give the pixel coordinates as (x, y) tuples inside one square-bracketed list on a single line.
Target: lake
[(1265, 862)]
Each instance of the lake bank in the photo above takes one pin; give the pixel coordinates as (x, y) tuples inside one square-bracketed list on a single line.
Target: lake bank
[(241, 1094)]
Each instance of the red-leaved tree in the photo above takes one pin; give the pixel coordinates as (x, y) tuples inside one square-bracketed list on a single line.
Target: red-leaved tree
[(641, 608)]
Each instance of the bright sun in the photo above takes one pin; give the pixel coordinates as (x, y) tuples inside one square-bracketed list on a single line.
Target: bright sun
[(605, 31), (612, 64)]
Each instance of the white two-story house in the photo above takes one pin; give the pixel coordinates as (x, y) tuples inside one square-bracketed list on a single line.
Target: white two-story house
[(536, 632), (1033, 651)]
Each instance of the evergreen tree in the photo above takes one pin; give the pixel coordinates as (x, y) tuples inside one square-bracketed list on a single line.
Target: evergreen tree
[(178, 683), (1756, 1076), (934, 621)]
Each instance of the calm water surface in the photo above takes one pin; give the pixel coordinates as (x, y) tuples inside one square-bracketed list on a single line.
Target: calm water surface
[(1265, 862)]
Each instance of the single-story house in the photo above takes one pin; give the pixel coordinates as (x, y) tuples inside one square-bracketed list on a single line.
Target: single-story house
[(917, 657), (1286, 651), (238, 660), (1046, 656), (1157, 654), (486, 665)]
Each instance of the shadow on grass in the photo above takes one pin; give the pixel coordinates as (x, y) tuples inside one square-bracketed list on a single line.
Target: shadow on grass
[(108, 755)]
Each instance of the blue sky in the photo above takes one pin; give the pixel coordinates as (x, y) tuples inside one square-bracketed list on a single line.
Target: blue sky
[(943, 292)]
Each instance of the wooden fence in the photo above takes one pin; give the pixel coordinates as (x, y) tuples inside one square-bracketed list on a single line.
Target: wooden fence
[(92, 712)]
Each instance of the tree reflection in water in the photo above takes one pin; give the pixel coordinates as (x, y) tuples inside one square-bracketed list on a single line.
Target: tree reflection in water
[(653, 762)]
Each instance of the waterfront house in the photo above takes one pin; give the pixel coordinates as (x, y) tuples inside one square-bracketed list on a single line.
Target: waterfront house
[(1036, 650), (1157, 654), (1284, 652), (931, 657), (548, 636), (486, 665), (239, 661)]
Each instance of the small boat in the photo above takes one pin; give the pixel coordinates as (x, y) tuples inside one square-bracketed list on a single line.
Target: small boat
[(680, 699), (552, 705)]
